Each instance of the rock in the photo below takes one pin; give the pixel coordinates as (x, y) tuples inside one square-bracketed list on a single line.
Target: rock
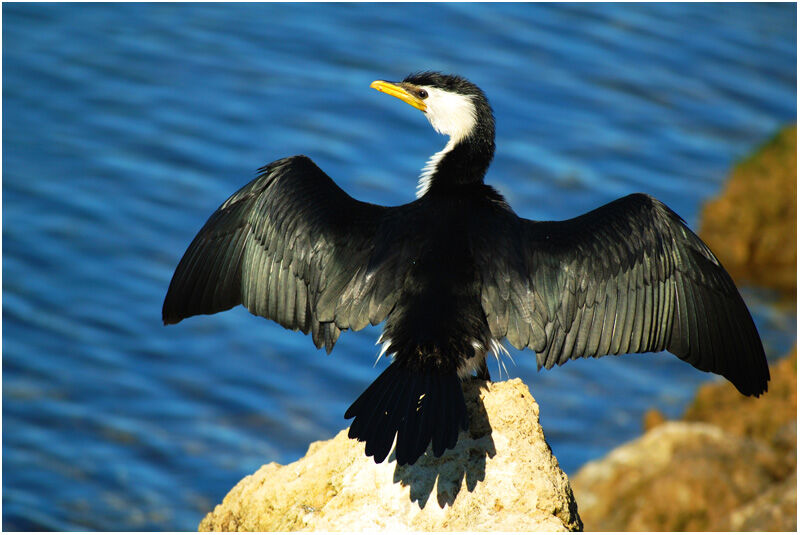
[(652, 418), (679, 476), (501, 475), (730, 467), (761, 418), (774, 510), (752, 225)]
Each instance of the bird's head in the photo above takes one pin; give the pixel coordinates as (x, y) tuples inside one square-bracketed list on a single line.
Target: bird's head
[(457, 108), (453, 105)]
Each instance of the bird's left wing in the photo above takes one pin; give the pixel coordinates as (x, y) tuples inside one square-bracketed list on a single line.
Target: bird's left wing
[(293, 247), (628, 277)]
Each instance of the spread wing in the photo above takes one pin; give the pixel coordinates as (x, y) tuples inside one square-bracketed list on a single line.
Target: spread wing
[(293, 247), (628, 277)]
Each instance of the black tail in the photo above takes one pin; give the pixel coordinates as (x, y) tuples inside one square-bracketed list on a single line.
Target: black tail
[(419, 408)]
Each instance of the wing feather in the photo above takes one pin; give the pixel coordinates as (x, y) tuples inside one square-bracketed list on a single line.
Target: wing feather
[(293, 247), (626, 277)]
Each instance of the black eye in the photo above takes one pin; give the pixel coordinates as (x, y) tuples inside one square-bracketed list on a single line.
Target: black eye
[(421, 93)]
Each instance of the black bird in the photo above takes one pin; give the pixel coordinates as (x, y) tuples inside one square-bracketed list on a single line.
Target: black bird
[(456, 271)]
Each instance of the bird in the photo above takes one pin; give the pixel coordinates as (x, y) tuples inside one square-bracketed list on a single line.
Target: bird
[(454, 273)]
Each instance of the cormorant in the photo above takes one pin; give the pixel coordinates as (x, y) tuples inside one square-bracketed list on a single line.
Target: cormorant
[(456, 271)]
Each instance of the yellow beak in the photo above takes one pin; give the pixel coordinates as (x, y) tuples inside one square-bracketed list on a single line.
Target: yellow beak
[(396, 91)]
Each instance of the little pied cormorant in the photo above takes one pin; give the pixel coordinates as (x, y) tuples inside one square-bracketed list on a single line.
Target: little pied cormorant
[(455, 272)]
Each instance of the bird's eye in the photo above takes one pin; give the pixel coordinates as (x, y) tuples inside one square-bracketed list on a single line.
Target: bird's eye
[(421, 93)]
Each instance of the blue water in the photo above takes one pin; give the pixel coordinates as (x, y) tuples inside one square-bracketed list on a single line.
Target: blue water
[(126, 125)]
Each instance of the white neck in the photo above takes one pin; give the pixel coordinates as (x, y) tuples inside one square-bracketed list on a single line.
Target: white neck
[(451, 114), (430, 168)]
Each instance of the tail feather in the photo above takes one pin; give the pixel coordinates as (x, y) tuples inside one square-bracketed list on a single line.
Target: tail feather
[(439, 438), (383, 440), (369, 411), (409, 426), (461, 411), (382, 434), (419, 408), (425, 417)]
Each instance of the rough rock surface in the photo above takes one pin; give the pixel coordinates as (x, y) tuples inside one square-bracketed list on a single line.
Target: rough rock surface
[(764, 418), (673, 478), (501, 476), (752, 225), (731, 467)]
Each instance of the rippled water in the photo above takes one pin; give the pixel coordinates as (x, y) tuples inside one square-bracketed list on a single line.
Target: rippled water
[(125, 126)]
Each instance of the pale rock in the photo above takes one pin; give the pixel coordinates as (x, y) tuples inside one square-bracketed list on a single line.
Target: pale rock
[(501, 476)]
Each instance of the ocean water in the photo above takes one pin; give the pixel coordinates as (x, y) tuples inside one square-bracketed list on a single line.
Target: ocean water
[(126, 125)]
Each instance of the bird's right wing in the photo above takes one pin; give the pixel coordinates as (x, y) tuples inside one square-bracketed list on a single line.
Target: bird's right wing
[(293, 247), (628, 277)]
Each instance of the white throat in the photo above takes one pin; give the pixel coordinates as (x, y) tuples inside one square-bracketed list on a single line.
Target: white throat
[(451, 114), (430, 168)]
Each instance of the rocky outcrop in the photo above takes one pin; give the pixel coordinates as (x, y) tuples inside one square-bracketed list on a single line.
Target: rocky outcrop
[(501, 476), (752, 225), (679, 476), (770, 418), (730, 465)]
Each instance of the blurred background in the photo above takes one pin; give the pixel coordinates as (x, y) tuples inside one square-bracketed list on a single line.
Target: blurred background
[(126, 125)]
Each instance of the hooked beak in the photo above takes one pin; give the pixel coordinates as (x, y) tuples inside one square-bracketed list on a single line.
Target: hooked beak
[(396, 90)]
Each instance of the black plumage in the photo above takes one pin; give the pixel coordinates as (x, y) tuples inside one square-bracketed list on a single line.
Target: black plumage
[(455, 272)]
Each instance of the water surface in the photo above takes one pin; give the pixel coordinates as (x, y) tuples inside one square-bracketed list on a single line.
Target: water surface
[(126, 125)]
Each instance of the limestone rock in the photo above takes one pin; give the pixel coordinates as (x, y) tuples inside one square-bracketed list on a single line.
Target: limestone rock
[(652, 418), (732, 467), (501, 476), (764, 418), (773, 510), (677, 477)]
